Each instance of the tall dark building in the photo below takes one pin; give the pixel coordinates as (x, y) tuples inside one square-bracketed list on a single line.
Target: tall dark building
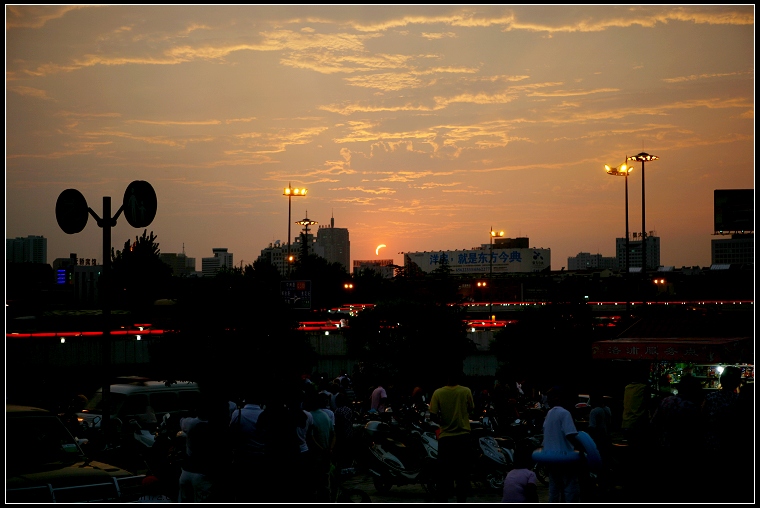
[(334, 244)]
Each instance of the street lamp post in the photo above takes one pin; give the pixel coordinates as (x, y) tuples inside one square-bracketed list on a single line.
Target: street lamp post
[(643, 157), (623, 170), (290, 192), (490, 269), (305, 223)]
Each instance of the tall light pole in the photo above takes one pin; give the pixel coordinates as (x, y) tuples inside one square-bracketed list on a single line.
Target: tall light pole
[(643, 157), (623, 170), (305, 237), (290, 192), (490, 269)]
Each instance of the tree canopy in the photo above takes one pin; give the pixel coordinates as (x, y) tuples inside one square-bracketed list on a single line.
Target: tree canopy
[(138, 276)]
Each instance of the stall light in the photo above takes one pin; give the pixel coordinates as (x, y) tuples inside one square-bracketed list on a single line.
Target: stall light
[(139, 337), (63, 340), (719, 369), (327, 333)]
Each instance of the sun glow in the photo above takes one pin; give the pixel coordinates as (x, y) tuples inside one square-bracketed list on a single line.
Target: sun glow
[(377, 250)]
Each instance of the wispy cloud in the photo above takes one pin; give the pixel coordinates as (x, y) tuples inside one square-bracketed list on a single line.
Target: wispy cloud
[(176, 122), (694, 77), (36, 16), (28, 91), (438, 35)]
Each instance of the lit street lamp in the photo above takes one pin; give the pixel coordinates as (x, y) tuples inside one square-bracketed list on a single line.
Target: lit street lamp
[(290, 192), (643, 157), (306, 223), (490, 268), (623, 170)]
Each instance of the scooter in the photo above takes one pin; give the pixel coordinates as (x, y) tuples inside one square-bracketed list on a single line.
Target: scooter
[(161, 452), (493, 457), (398, 456)]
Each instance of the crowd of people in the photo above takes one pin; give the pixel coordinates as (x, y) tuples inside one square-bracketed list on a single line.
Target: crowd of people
[(277, 442), (280, 444)]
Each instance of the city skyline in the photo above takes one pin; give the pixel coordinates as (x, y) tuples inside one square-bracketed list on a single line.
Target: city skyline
[(417, 127)]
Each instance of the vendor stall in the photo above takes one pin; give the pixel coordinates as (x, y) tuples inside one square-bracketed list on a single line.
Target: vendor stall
[(671, 358)]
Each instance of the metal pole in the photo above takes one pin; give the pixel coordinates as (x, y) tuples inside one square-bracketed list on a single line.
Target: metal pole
[(490, 276), (643, 226), (627, 250), (287, 260), (105, 299)]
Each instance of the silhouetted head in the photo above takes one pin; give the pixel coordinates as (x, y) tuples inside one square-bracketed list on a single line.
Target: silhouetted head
[(690, 388), (556, 396), (730, 378), (523, 458)]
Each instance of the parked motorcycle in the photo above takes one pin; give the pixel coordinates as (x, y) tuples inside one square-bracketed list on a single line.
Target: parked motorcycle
[(161, 452), (493, 458), (399, 456)]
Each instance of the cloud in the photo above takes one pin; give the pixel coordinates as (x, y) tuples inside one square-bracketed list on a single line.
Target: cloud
[(28, 16), (379, 190), (79, 114), (278, 141), (438, 35), (176, 122), (234, 120), (694, 77), (567, 93), (28, 91), (603, 18)]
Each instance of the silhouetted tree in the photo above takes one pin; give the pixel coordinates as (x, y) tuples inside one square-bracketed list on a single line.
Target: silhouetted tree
[(370, 287), (138, 276), (326, 279)]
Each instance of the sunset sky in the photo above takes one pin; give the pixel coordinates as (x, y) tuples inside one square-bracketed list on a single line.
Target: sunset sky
[(417, 127)]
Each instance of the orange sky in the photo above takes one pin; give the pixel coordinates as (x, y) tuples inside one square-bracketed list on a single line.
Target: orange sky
[(417, 127)]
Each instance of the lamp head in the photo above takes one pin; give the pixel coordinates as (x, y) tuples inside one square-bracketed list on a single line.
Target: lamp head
[(290, 191), (622, 170), (643, 157)]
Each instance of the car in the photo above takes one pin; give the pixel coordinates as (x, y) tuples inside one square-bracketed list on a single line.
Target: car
[(143, 400), (45, 463)]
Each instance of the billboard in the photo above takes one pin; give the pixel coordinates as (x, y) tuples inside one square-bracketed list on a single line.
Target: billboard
[(477, 261), (734, 211)]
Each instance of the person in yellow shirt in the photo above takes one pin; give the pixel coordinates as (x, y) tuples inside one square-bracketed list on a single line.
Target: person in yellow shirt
[(451, 407)]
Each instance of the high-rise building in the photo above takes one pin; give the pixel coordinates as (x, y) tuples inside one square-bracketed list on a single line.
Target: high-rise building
[(275, 254), (734, 216), (330, 243), (210, 266), (334, 244), (181, 265), (739, 249), (634, 244), (585, 261), (32, 249)]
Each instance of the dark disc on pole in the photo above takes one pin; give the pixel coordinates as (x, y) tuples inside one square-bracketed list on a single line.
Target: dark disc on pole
[(140, 204), (71, 211)]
